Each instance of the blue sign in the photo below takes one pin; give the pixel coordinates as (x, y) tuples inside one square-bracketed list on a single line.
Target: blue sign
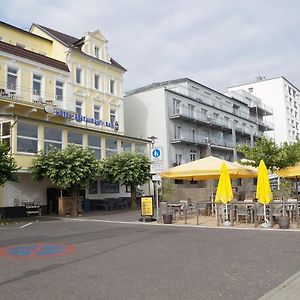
[(156, 153), (80, 118)]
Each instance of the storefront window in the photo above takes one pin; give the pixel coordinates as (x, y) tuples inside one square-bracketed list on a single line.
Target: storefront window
[(126, 146), (75, 138), (52, 138), (111, 147), (94, 144), (140, 149), (27, 138)]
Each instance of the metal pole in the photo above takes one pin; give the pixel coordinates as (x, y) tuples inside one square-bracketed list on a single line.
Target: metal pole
[(156, 200)]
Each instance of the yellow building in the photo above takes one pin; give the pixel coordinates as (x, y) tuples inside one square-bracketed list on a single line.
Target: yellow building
[(56, 90)]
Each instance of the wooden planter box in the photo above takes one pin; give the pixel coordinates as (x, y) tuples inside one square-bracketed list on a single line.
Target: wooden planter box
[(65, 205)]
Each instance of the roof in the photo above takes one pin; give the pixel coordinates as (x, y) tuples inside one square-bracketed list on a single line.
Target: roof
[(69, 41), (262, 80), (18, 51), (24, 31), (64, 38)]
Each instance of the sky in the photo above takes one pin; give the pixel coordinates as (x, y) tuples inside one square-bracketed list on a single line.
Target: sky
[(218, 43)]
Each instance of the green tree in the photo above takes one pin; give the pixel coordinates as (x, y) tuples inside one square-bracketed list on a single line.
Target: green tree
[(72, 167), (127, 169), (274, 156), (8, 165)]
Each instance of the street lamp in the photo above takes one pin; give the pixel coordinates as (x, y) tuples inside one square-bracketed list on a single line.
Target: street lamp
[(152, 138)]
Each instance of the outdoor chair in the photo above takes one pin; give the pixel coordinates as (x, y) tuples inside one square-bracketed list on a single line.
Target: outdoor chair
[(243, 213), (276, 209), (260, 212)]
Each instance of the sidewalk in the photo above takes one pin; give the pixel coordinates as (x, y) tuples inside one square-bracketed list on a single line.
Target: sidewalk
[(287, 290)]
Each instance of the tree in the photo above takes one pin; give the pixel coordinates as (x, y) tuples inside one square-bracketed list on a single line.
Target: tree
[(274, 156), (72, 167), (127, 169), (8, 165)]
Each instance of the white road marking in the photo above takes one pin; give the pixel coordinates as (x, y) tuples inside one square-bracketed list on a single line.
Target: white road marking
[(26, 225)]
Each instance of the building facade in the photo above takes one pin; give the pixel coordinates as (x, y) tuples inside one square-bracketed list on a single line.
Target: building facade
[(57, 90), (192, 121), (283, 97)]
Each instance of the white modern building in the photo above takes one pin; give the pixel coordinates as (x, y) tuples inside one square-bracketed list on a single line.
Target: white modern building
[(192, 121), (283, 97)]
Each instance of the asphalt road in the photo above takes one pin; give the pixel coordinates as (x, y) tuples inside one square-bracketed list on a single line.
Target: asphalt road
[(146, 261)]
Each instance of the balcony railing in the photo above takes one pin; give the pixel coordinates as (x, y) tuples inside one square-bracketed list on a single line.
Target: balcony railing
[(35, 97)]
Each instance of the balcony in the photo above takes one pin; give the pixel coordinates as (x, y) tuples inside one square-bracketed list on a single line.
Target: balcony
[(197, 116), (20, 94), (265, 125)]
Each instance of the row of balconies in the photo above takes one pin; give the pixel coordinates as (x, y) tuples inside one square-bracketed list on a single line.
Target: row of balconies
[(210, 119), (251, 102)]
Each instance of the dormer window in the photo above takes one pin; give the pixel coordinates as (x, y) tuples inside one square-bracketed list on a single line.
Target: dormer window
[(97, 51)]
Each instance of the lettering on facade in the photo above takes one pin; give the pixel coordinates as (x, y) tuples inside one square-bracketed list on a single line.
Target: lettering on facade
[(80, 118)]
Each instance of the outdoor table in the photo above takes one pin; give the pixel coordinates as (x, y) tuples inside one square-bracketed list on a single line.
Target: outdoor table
[(176, 210)]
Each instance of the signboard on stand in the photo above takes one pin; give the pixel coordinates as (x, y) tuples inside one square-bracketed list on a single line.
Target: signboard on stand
[(147, 207)]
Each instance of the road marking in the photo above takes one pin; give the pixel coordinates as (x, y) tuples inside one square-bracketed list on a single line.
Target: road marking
[(26, 225)]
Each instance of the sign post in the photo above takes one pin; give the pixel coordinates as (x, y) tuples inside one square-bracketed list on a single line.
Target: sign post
[(156, 169)]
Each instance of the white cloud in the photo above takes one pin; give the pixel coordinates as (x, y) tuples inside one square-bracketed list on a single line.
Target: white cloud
[(216, 42)]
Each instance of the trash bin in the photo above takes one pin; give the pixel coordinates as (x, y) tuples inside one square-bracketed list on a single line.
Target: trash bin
[(168, 218)]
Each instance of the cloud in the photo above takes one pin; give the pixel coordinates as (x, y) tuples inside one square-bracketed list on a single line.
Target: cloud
[(218, 43)]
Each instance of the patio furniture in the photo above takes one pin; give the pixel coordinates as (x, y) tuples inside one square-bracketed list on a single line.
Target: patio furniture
[(243, 213)]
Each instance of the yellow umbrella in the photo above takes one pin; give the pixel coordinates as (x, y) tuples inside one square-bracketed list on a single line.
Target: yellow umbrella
[(291, 171), (206, 169), (263, 189), (224, 191)]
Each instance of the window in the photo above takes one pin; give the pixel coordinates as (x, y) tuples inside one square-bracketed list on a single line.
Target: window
[(193, 134), (27, 138), (191, 109), (178, 159), (97, 112), (59, 86), (193, 154), (177, 132), (107, 187), (111, 147), (37, 84), (140, 148), (112, 116), (97, 82), (97, 52), (78, 107), (52, 138), (126, 146), (12, 78), (250, 89), (176, 106), (5, 132), (94, 144), (78, 75), (93, 187), (75, 138), (112, 87)]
